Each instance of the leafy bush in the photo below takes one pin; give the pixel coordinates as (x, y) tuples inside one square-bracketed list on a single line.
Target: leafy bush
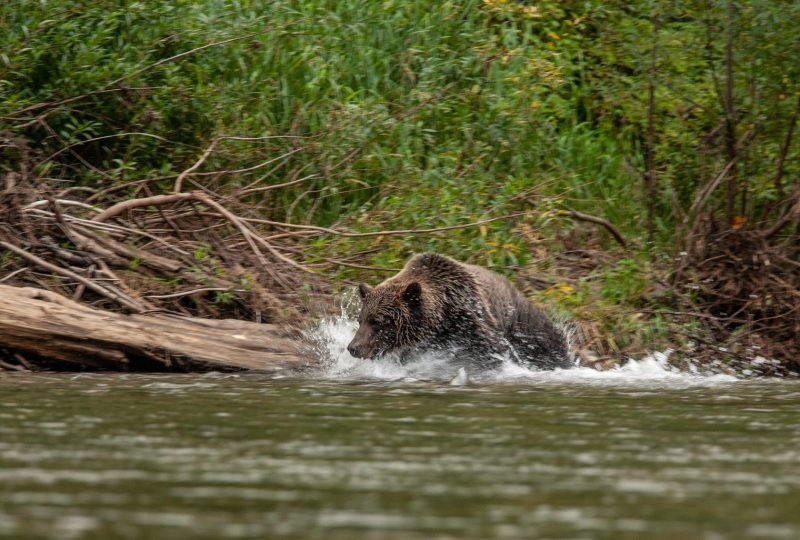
[(407, 114)]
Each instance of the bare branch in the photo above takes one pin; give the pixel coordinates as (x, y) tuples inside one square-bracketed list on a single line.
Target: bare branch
[(598, 221), (138, 203), (77, 156), (705, 193), (74, 98), (787, 142), (730, 117), (110, 228), (650, 173), (252, 168), (131, 253), (114, 136), (187, 172), (276, 186), (792, 212), (263, 138), (336, 232), (12, 274), (236, 221), (177, 57), (193, 291), (63, 202), (126, 302), (249, 234)]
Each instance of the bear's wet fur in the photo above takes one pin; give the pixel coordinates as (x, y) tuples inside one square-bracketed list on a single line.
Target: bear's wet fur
[(436, 302)]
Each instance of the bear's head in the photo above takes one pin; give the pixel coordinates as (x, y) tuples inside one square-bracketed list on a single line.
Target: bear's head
[(394, 315)]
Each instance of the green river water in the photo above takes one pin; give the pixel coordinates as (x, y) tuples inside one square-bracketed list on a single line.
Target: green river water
[(632, 454)]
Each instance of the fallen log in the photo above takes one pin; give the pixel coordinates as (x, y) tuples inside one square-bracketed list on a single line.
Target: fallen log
[(47, 325)]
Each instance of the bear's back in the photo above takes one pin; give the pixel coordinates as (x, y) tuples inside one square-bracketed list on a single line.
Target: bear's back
[(499, 310), (531, 333)]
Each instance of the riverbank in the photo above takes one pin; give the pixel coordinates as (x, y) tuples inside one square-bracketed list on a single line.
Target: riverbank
[(203, 256), (630, 168)]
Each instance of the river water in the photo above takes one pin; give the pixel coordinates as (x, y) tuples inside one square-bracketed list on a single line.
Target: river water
[(364, 450)]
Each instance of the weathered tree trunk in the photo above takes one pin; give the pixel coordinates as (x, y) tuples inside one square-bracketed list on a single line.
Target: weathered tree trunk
[(47, 325), (650, 141), (730, 118)]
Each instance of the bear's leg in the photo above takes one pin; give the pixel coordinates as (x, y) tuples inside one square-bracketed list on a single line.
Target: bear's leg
[(544, 351)]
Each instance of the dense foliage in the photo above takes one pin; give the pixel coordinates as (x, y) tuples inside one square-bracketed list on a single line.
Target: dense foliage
[(408, 114)]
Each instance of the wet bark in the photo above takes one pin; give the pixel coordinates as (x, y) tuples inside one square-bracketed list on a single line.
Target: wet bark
[(43, 324)]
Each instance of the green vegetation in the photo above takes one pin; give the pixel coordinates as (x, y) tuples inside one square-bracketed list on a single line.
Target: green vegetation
[(404, 114)]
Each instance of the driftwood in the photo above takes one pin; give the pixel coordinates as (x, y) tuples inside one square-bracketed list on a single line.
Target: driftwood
[(47, 325), (597, 221)]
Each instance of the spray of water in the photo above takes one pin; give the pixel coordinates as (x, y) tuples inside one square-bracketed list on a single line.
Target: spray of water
[(331, 336)]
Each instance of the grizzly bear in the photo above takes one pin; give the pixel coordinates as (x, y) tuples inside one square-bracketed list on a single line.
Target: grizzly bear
[(438, 303)]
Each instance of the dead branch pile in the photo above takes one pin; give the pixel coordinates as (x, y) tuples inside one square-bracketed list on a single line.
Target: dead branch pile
[(191, 253), (183, 252), (149, 246), (745, 289)]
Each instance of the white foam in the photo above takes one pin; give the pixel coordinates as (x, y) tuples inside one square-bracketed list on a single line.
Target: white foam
[(332, 336)]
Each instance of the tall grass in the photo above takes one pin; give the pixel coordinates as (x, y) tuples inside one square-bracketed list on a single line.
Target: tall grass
[(410, 113), (414, 114)]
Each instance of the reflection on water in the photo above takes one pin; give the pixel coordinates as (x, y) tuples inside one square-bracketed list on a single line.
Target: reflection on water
[(345, 454)]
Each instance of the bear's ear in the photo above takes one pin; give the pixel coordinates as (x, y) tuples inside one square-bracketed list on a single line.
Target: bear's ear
[(364, 290), (412, 295)]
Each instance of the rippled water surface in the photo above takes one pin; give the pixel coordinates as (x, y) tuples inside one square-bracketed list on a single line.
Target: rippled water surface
[(639, 453)]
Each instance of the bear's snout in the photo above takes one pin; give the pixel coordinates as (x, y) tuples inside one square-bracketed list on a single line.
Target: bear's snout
[(354, 350), (365, 343)]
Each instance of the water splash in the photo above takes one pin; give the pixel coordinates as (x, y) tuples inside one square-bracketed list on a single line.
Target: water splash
[(331, 337)]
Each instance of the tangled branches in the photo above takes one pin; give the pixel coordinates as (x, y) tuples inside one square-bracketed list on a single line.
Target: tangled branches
[(207, 252), (745, 289), (182, 252)]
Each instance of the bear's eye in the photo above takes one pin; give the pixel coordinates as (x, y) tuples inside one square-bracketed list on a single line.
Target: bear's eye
[(377, 323)]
